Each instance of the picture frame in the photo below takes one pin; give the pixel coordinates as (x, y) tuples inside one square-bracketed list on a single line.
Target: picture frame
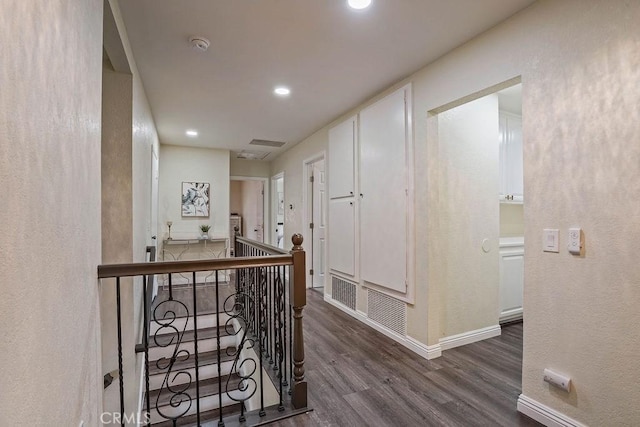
[(196, 199)]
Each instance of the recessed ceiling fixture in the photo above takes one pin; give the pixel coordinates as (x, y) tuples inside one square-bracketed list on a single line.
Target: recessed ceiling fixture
[(192, 133), (282, 91), (199, 42), (359, 4)]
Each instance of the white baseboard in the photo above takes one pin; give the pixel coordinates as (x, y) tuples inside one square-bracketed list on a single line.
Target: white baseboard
[(465, 338), (544, 414), (511, 315), (427, 351)]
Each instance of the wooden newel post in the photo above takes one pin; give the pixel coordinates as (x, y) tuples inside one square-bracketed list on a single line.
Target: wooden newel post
[(298, 300)]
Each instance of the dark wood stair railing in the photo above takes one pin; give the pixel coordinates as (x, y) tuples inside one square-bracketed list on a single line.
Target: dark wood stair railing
[(246, 333)]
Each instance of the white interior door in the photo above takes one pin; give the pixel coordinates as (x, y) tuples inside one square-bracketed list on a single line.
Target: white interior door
[(259, 224), (319, 223), (277, 185)]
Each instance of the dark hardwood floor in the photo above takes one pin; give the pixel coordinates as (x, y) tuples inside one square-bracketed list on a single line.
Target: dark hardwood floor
[(358, 377)]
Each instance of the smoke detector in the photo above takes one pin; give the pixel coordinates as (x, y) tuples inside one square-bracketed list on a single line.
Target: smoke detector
[(200, 43)]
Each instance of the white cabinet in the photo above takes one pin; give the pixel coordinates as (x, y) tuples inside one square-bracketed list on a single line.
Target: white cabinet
[(342, 236), (511, 170), (342, 195), (511, 278), (342, 141), (385, 136), (370, 167)]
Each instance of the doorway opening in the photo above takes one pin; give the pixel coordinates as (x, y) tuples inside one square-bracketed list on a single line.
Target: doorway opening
[(481, 221), (315, 219), (248, 207)]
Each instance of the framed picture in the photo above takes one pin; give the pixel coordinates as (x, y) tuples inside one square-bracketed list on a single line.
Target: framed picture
[(195, 199)]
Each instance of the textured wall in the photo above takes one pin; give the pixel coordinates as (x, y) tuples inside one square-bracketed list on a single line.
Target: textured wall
[(580, 65), (50, 217), (178, 164)]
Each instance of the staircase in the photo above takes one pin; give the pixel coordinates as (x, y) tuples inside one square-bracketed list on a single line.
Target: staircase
[(225, 382), (222, 352)]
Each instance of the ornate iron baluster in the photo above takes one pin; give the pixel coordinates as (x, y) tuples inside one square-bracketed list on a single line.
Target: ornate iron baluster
[(178, 391)]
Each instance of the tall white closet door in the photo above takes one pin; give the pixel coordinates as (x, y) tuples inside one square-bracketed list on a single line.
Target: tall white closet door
[(342, 220), (342, 159), (383, 188)]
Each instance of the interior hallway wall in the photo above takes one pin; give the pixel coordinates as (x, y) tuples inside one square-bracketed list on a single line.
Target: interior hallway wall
[(187, 164), (579, 61), (50, 114)]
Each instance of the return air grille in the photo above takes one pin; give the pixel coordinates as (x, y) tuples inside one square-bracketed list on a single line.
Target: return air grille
[(344, 292), (387, 311), (266, 143)]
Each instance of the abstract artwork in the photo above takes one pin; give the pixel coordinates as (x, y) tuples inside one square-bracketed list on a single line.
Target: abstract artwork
[(195, 199)]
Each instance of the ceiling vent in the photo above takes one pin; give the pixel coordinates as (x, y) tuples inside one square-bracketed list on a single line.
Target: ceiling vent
[(266, 143), (251, 155)]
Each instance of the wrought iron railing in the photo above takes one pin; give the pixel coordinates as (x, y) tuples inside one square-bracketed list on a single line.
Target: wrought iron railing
[(229, 347)]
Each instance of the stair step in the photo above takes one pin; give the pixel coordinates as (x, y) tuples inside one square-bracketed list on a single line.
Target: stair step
[(188, 336), (204, 359), (192, 420), (205, 320), (208, 387)]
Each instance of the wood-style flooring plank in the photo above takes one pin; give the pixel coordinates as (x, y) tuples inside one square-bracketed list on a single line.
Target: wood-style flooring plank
[(359, 377)]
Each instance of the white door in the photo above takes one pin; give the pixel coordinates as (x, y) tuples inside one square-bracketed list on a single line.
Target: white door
[(277, 185), (259, 227), (319, 223)]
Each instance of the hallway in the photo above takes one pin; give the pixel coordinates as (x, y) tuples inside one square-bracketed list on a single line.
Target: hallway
[(359, 377)]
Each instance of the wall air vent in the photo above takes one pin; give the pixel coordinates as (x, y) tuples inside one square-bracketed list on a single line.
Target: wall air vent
[(387, 311), (266, 143), (251, 155), (344, 292)]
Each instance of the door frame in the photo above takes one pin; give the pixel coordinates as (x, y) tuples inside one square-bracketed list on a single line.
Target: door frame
[(273, 197), (307, 214), (266, 217)]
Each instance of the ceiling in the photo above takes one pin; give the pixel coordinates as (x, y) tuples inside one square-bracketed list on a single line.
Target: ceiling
[(332, 58)]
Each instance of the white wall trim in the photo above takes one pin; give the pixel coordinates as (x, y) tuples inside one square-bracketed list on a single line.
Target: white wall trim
[(544, 414), (469, 337), (427, 351), (511, 315)]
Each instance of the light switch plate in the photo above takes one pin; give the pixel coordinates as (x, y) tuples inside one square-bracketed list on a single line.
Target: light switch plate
[(575, 241), (550, 240)]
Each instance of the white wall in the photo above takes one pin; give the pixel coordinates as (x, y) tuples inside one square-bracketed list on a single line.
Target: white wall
[(254, 168), (468, 209), (50, 112), (129, 137), (185, 164), (580, 63), (291, 162), (235, 197)]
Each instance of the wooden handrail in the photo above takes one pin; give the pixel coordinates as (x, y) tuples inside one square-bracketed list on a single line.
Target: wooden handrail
[(145, 268), (265, 247)]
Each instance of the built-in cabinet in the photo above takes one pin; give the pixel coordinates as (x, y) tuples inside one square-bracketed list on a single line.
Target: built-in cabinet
[(342, 198), (511, 169), (369, 189), (511, 278)]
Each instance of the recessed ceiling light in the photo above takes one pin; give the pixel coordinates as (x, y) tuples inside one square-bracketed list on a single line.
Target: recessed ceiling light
[(359, 4), (282, 91), (192, 133)]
